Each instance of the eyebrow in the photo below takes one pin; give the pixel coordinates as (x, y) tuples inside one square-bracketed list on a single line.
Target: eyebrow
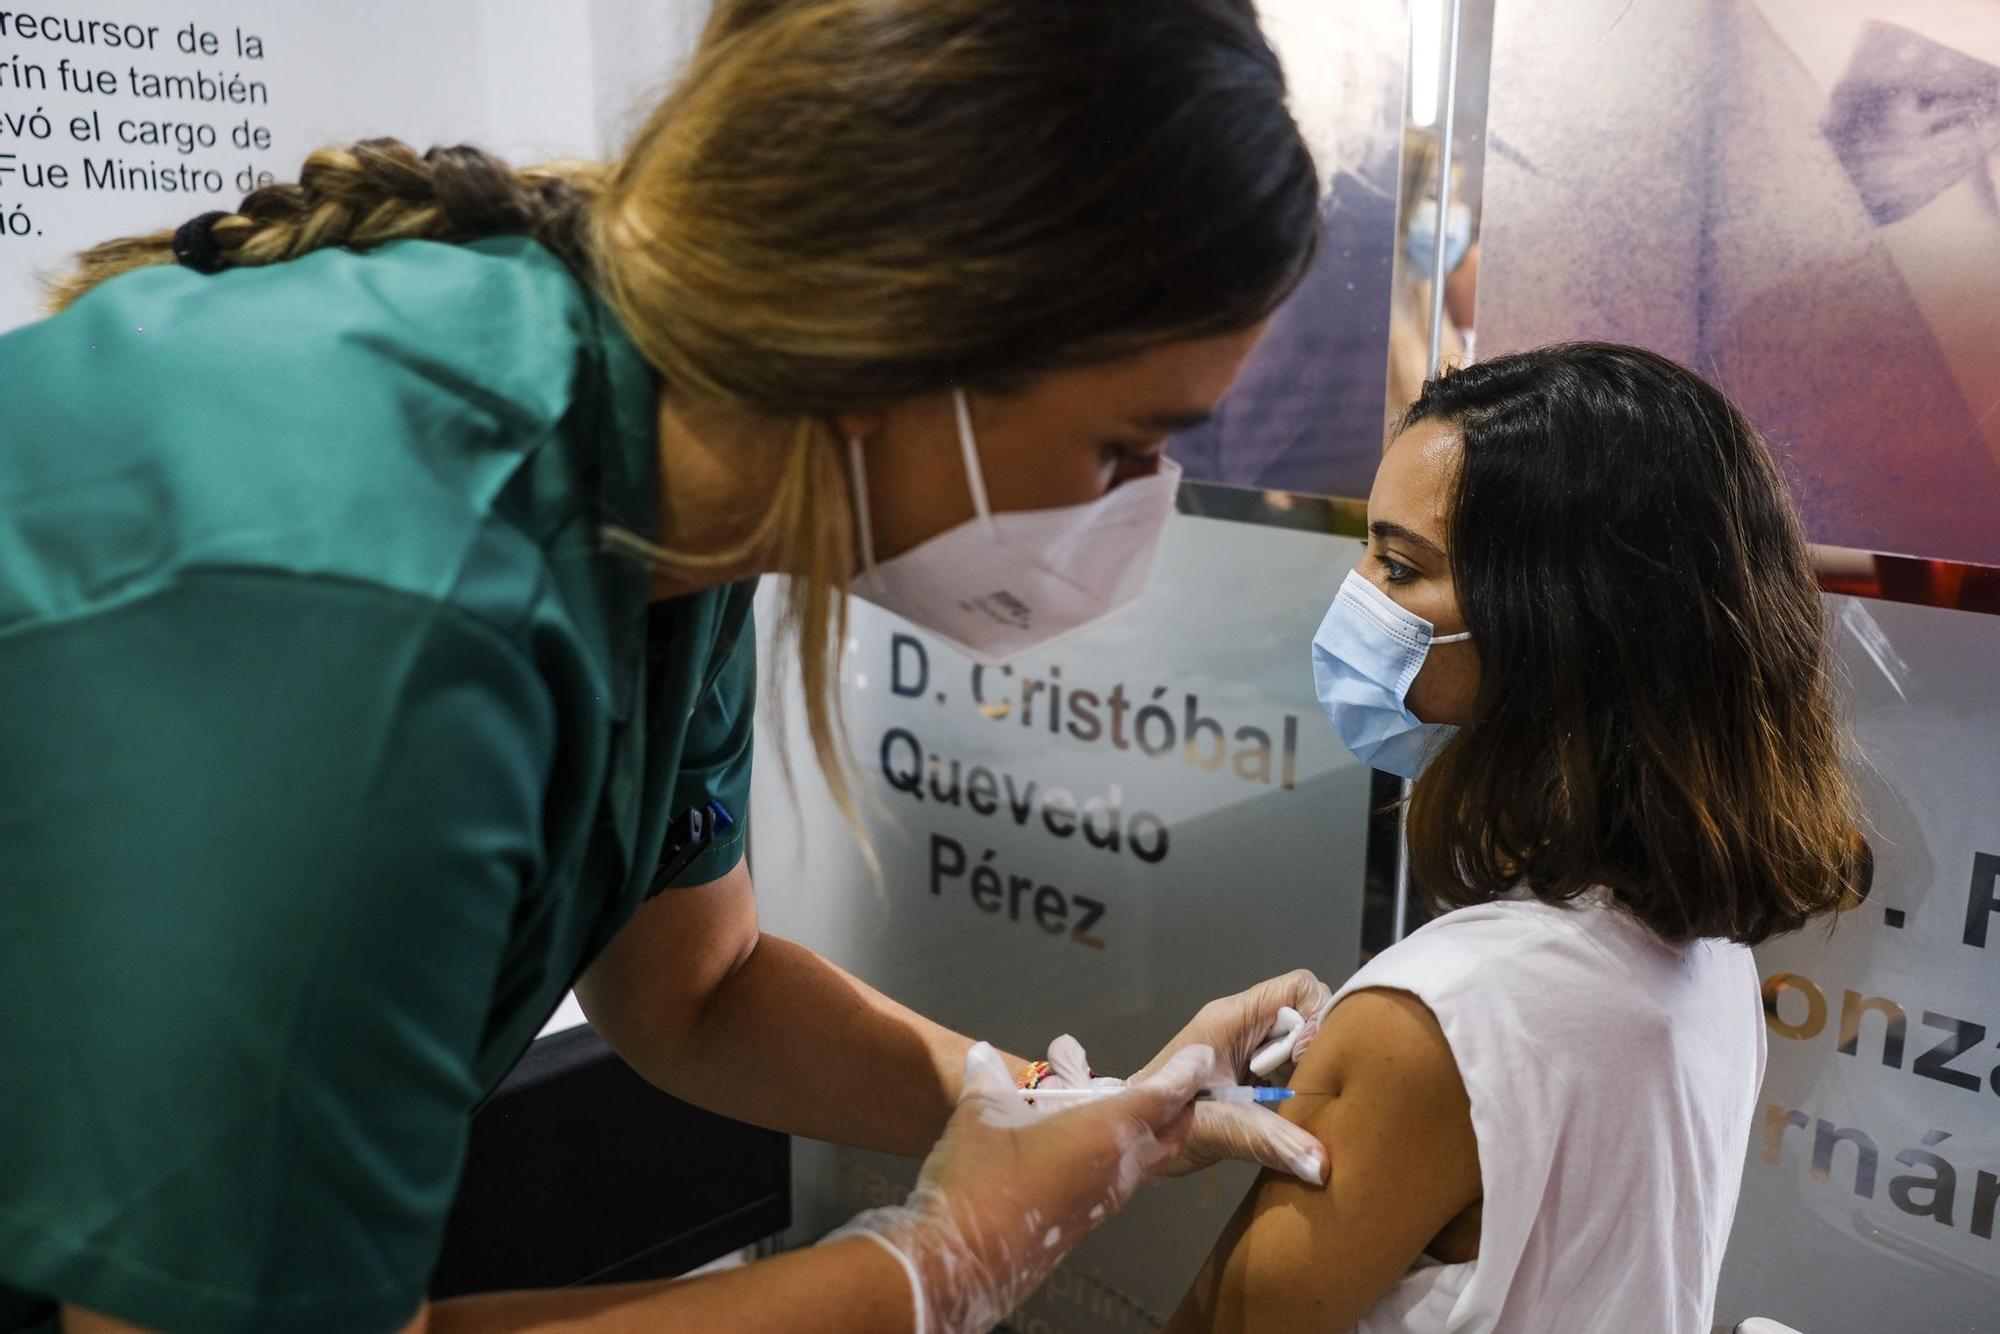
[(1395, 532), (1166, 423)]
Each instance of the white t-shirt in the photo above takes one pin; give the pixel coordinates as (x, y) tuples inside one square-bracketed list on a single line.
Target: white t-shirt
[(1613, 1080)]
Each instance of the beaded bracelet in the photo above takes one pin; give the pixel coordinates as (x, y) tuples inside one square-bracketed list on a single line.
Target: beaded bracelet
[(1039, 1073)]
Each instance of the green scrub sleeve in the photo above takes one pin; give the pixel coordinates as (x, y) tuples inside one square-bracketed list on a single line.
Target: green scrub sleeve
[(265, 837), (715, 759)]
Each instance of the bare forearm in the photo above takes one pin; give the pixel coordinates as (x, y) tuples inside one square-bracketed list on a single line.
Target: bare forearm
[(790, 1041), (697, 999), (850, 1287)]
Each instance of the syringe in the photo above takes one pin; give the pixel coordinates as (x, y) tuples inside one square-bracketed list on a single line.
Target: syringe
[(1222, 1093)]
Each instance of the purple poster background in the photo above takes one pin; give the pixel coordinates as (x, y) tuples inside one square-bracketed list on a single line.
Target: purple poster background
[(1796, 197)]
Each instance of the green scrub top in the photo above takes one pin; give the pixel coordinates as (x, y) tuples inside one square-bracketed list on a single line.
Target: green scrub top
[(332, 748)]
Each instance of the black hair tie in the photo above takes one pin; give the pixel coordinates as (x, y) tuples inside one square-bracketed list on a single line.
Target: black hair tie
[(195, 247)]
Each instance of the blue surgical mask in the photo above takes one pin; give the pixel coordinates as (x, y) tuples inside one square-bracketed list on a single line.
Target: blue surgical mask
[(1420, 242), (1366, 654)]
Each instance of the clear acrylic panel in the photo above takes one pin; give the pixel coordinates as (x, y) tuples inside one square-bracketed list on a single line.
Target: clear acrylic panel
[(1096, 840), (1306, 416), (1873, 1176), (1153, 813)]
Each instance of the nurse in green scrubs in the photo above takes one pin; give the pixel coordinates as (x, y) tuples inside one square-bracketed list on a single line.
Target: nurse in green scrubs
[(376, 567)]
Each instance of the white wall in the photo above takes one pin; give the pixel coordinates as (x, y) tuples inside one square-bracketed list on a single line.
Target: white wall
[(527, 78), (639, 47)]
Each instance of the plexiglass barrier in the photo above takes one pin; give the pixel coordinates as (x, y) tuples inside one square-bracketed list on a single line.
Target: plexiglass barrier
[(1104, 836), (1797, 198), (1305, 417), (1096, 840), (1873, 1176)]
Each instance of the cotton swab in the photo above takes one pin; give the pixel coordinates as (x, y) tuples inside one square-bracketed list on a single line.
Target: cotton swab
[(1284, 1035)]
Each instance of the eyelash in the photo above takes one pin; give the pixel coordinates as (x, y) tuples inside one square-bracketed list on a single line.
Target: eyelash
[(1397, 572)]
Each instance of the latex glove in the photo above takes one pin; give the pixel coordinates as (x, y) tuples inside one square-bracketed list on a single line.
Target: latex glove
[(1009, 1189), (1238, 1028)]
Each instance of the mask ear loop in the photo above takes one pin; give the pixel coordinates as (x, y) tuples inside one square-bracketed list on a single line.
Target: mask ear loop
[(969, 451), (857, 482), (1459, 638)]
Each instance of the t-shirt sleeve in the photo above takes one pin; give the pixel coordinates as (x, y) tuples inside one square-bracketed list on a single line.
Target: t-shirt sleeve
[(715, 758), (264, 839)]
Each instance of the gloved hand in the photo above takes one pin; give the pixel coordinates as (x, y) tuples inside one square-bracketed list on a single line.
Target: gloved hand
[(1237, 1028), (1009, 1188)]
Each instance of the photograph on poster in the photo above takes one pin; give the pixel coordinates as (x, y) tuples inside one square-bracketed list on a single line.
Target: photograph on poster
[(1796, 196), (1306, 415)]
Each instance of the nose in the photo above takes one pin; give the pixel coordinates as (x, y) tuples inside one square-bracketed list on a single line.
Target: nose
[(1130, 469)]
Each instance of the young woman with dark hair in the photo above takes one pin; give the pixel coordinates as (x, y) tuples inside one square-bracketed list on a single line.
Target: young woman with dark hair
[(1587, 627)]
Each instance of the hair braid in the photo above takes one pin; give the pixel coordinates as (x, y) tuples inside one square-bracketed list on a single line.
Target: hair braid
[(369, 193)]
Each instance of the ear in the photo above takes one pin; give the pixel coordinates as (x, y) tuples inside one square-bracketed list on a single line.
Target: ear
[(863, 426)]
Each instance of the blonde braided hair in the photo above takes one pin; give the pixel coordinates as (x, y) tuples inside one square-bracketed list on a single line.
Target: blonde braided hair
[(365, 194)]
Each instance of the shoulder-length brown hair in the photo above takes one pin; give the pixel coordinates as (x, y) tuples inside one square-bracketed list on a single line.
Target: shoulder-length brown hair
[(1655, 711)]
